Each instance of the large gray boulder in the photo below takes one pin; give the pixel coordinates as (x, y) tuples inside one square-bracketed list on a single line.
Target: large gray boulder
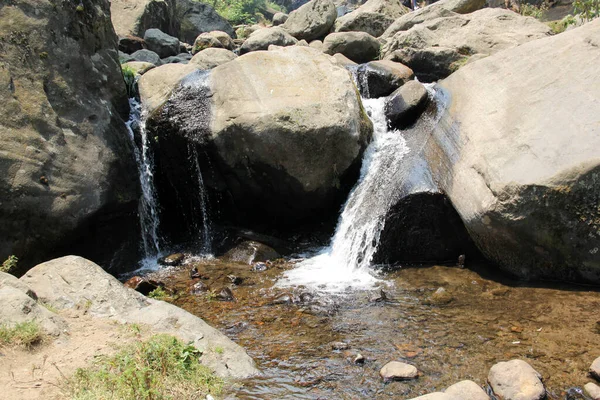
[(18, 307), (72, 281), (373, 17), (162, 44), (521, 167), (279, 18), (66, 163), (194, 17), (214, 39), (212, 57), (146, 56), (516, 380), (283, 132), (263, 38), (311, 21), (134, 17), (483, 32), (360, 47)]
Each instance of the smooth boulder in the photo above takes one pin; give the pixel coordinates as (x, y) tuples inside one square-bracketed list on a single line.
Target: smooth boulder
[(360, 47), (466, 390), (263, 38), (516, 380), (162, 44), (212, 57), (216, 39), (405, 105), (146, 56), (380, 78), (311, 21), (398, 371), (595, 368), (373, 17)]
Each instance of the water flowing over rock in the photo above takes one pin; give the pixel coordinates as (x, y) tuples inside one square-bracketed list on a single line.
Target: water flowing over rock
[(281, 134), (520, 167), (373, 17), (311, 21), (68, 176), (156, 85)]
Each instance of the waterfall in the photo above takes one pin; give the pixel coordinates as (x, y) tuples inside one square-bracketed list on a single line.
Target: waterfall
[(345, 263), (203, 226), (148, 205)]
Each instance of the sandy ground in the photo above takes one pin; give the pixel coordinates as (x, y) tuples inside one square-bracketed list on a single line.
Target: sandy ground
[(40, 373)]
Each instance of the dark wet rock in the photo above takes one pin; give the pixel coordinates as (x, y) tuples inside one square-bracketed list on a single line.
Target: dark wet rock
[(199, 288), (249, 252), (259, 267), (263, 38), (360, 47), (175, 60), (196, 18), (430, 64), (516, 379), (359, 359), (405, 105), (378, 297), (194, 274), (592, 390), (340, 346), (236, 280), (124, 57), (595, 368), (461, 261), (172, 260), (398, 371), (225, 294), (146, 56), (161, 43), (279, 18), (142, 285), (306, 297), (237, 327), (130, 44), (381, 78), (311, 21)]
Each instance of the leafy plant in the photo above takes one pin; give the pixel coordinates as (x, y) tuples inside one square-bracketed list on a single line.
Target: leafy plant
[(130, 77), (562, 25), (162, 367), (10, 264), (530, 10), (26, 334), (159, 294), (587, 9), (239, 12)]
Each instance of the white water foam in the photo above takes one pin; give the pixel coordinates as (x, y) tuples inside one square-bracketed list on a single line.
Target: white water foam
[(344, 265)]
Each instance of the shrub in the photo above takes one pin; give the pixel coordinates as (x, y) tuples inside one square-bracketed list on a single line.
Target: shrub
[(130, 77), (162, 367), (587, 9), (529, 10), (10, 264), (26, 334), (239, 12)]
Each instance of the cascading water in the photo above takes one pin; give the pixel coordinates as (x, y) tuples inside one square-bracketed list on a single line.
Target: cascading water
[(203, 226), (148, 205), (345, 263)]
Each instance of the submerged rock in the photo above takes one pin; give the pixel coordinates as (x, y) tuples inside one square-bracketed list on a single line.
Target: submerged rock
[(340, 346), (224, 294), (516, 380), (398, 371), (199, 288)]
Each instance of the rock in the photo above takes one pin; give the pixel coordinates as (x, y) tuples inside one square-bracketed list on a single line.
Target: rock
[(243, 31), (139, 67), (130, 44), (481, 32), (398, 371), (215, 39), (592, 390), (162, 44), (440, 297), (302, 43), (105, 297), (340, 346), (285, 298), (344, 61), (544, 166), (438, 396), (234, 279), (68, 177), (360, 47), (18, 307), (381, 78), (124, 57), (147, 56), (279, 18), (249, 252), (467, 390), (263, 38), (8, 280), (134, 17), (316, 44), (172, 260), (516, 380), (595, 368), (211, 58), (196, 18), (378, 297), (199, 288), (359, 359), (373, 17), (259, 267), (175, 60), (156, 85), (225, 294), (142, 285), (311, 21), (288, 141), (405, 105)]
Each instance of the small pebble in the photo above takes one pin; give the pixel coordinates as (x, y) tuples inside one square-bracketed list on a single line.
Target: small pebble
[(339, 346)]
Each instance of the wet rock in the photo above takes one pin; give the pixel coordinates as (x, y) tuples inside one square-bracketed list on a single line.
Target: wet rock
[(461, 261), (306, 297), (405, 105), (194, 274), (225, 294), (360, 47), (381, 78), (398, 371), (378, 297), (172, 260), (440, 297), (595, 368), (359, 359), (285, 298), (250, 252), (156, 85), (199, 288), (142, 285), (467, 390), (130, 44), (263, 38), (340, 346), (162, 44), (146, 56), (236, 280), (259, 267), (516, 380), (279, 18), (311, 21), (592, 390)]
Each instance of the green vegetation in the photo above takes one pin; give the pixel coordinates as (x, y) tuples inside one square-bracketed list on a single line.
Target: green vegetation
[(162, 367), (244, 12), (10, 264), (219, 350), (529, 10), (48, 307), (562, 25), (26, 334), (159, 294), (130, 77), (587, 9)]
